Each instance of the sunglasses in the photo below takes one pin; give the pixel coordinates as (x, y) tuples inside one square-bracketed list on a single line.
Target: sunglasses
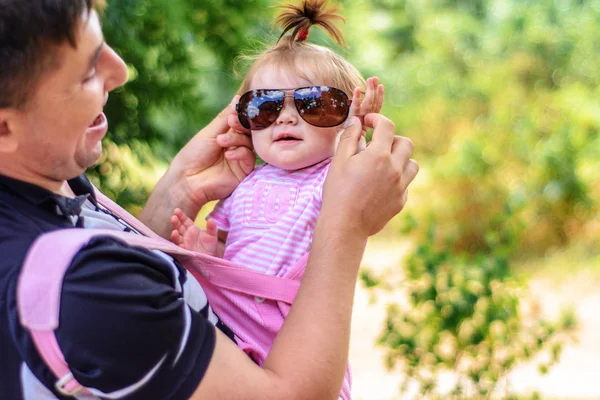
[(321, 106)]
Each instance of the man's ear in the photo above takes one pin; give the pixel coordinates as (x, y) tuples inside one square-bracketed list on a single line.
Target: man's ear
[(8, 137)]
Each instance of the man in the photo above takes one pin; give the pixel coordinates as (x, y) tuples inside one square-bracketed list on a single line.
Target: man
[(124, 330)]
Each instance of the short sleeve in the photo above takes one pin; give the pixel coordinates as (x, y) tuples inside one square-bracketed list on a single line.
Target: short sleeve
[(221, 214), (125, 329)]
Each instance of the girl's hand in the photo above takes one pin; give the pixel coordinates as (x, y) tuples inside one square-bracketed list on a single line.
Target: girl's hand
[(188, 236), (216, 159), (372, 102)]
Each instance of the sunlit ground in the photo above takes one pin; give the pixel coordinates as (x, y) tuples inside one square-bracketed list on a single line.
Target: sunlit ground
[(567, 277)]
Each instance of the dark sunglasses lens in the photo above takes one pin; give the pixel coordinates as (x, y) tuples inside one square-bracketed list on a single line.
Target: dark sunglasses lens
[(322, 106), (258, 109)]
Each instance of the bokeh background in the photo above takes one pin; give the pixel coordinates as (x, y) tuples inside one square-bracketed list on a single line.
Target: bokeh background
[(485, 285)]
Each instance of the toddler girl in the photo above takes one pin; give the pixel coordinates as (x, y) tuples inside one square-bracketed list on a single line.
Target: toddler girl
[(294, 100)]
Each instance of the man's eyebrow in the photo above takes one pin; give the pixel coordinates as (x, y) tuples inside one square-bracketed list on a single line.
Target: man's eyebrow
[(95, 56)]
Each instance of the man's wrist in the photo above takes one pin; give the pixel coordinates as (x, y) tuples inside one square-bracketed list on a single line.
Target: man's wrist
[(171, 191), (340, 229), (343, 222)]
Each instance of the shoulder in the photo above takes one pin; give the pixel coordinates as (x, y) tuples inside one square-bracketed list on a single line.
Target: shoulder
[(19, 228), (125, 327)]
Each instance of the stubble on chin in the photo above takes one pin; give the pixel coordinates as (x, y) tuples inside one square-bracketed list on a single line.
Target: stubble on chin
[(88, 158)]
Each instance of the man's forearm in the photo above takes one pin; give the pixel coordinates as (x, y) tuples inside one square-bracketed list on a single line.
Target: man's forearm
[(169, 193), (314, 339)]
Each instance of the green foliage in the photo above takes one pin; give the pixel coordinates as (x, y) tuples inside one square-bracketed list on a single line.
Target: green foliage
[(180, 57), (465, 317), (128, 173), (501, 100)]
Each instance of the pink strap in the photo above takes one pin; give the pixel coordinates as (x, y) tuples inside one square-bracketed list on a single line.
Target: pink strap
[(119, 211), (38, 302), (40, 282), (46, 344), (219, 272), (40, 285)]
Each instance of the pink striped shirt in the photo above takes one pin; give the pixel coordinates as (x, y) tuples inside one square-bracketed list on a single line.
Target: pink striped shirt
[(270, 217)]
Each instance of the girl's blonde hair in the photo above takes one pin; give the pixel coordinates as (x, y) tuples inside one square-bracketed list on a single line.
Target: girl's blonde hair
[(293, 53)]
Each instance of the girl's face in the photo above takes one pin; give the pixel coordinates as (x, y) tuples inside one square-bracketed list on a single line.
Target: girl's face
[(290, 143)]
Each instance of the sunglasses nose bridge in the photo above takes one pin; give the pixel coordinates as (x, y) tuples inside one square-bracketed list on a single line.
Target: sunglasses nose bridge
[(287, 100), (288, 113)]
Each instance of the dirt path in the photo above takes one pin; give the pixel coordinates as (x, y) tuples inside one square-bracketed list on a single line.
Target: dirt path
[(575, 377)]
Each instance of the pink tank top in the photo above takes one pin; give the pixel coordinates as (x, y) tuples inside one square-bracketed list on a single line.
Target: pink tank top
[(270, 217)]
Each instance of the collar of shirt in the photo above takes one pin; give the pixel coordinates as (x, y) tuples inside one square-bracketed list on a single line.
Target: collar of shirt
[(50, 201)]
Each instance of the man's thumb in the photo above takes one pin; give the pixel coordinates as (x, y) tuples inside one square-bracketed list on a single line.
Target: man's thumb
[(220, 124), (348, 139)]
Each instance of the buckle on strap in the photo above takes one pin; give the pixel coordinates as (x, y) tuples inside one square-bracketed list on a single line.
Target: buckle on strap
[(68, 386)]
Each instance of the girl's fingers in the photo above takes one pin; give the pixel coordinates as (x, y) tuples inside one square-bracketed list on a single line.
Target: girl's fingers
[(211, 227), (176, 238), (184, 220), (178, 220), (367, 102), (356, 95), (175, 223), (355, 105), (380, 93)]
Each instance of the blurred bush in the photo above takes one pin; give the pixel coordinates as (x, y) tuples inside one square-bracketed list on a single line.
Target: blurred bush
[(465, 316), (180, 57), (501, 100)]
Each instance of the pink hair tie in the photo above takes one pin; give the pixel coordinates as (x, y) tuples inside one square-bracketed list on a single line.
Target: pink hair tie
[(302, 35)]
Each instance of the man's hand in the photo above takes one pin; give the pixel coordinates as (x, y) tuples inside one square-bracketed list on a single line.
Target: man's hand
[(209, 167), (216, 159), (364, 190)]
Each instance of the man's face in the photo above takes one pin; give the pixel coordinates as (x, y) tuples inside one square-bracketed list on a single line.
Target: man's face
[(59, 132)]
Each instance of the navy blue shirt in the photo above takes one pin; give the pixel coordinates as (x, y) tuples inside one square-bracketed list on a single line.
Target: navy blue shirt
[(123, 319)]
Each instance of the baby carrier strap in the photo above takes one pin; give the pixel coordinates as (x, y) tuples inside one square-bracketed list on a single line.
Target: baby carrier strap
[(219, 272), (120, 212), (40, 285)]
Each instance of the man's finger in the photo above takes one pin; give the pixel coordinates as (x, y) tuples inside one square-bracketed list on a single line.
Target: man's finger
[(384, 131), (235, 124), (220, 124), (402, 148), (234, 139), (404, 198), (409, 173), (241, 161), (348, 139)]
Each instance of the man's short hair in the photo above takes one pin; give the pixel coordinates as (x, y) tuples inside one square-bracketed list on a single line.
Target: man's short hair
[(30, 32)]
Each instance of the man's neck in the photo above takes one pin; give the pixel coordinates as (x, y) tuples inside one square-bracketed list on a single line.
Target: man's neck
[(61, 188)]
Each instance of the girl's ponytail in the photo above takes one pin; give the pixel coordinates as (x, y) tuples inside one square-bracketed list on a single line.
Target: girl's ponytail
[(299, 20)]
